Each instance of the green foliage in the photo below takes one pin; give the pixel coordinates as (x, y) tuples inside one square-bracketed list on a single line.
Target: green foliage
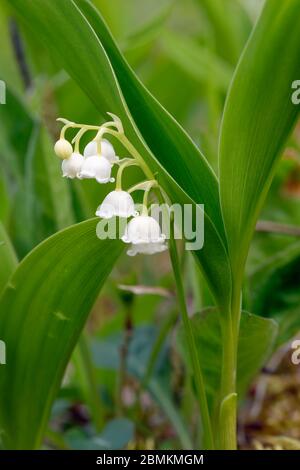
[(48, 300), (256, 342), (45, 304), (259, 116)]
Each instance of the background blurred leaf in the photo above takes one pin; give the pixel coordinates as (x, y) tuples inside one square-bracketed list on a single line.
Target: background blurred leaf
[(196, 60), (274, 290), (115, 436), (42, 312), (8, 258), (40, 198), (230, 24), (258, 118), (106, 356)]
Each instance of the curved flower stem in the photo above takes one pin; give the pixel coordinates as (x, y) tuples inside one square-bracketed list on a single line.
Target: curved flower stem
[(208, 441), (127, 163), (132, 151), (150, 185)]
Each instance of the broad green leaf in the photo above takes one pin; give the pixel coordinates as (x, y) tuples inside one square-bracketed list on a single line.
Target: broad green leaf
[(8, 258), (42, 312), (180, 167), (256, 341), (258, 118)]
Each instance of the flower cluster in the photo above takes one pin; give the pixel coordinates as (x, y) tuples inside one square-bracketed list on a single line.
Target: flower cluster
[(142, 232)]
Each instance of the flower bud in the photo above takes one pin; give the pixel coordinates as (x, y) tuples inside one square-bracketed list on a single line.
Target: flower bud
[(63, 149), (117, 203), (72, 166)]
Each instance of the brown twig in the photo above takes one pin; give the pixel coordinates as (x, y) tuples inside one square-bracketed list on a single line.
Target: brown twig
[(274, 227)]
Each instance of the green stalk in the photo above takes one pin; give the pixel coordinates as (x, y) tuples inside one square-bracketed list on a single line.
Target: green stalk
[(208, 441), (227, 413), (228, 405)]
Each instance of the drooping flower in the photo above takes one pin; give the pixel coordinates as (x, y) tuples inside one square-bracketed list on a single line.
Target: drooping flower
[(96, 167), (117, 203), (72, 166), (144, 233), (107, 150), (63, 149)]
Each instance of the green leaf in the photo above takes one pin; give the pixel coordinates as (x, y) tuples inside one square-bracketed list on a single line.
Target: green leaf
[(274, 290), (256, 341), (8, 258), (181, 168), (230, 24), (258, 118), (42, 312)]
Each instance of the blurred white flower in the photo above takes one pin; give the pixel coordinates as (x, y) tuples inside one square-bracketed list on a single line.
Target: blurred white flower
[(107, 150), (72, 166), (117, 203), (96, 167), (142, 230), (63, 149)]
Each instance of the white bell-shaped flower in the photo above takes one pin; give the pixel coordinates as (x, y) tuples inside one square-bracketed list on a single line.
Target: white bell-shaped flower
[(72, 166), (96, 167), (63, 149), (143, 229), (117, 203), (107, 150), (146, 248)]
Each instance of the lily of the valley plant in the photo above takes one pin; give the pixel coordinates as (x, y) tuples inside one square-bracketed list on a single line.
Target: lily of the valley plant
[(46, 302)]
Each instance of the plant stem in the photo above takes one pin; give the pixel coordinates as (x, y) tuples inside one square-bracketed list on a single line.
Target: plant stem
[(228, 406), (199, 382), (227, 412)]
